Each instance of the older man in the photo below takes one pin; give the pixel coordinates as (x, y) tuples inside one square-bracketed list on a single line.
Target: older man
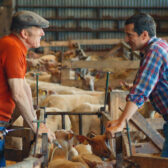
[(26, 32), (152, 78)]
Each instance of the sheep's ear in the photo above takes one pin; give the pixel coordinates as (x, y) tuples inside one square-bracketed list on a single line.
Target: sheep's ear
[(91, 134), (82, 139), (85, 142), (70, 136)]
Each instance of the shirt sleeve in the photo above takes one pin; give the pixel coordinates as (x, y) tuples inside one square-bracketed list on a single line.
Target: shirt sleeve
[(14, 63), (147, 77)]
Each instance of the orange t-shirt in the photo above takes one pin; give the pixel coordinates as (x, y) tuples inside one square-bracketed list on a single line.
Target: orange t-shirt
[(12, 65)]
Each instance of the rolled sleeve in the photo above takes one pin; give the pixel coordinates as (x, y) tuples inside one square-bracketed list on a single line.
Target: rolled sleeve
[(137, 99), (146, 78)]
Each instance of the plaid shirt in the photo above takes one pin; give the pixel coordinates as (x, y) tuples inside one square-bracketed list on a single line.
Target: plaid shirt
[(152, 77)]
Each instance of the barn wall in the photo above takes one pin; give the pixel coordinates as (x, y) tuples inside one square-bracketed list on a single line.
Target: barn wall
[(93, 19)]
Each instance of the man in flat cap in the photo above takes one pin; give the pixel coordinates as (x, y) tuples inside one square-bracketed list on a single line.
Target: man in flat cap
[(26, 32)]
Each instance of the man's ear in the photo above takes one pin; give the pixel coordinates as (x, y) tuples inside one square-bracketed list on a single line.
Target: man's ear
[(24, 34), (145, 35)]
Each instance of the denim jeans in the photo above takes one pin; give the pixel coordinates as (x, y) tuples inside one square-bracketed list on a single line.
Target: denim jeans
[(165, 145), (2, 148)]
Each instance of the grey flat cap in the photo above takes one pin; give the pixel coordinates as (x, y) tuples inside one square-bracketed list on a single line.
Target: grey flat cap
[(24, 19)]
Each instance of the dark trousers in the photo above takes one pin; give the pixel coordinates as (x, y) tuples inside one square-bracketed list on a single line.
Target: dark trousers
[(2, 148)]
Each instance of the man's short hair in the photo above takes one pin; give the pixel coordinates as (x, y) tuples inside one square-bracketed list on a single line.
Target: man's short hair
[(26, 19), (142, 22)]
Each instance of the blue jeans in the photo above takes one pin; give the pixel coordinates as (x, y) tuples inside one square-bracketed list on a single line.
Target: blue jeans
[(165, 145), (2, 148)]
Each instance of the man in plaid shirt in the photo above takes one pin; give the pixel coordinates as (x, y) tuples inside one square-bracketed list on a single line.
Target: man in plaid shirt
[(152, 77)]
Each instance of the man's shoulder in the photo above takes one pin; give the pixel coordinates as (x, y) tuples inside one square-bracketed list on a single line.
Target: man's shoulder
[(8, 42), (159, 43)]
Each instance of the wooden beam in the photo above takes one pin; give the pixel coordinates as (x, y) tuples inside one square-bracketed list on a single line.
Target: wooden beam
[(106, 117), (117, 99), (148, 161), (145, 147), (99, 84), (113, 50), (156, 123), (88, 42), (15, 116), (81, 42), (13, 155), (20, 133), (33, 162), (65, 74), (26, 142), (27, 136), (45, 149), (139, 121), (106, 65), (126, 144), (119, 150)]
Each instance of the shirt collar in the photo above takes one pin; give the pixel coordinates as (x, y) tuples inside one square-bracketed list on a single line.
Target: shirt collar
[(146, 46), (24, 49)]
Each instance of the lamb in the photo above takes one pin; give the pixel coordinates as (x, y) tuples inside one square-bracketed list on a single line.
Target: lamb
[(91, 123), (60, 155), (70, 102)]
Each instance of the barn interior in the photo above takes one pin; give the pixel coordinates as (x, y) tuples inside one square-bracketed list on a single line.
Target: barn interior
[(76, 80)]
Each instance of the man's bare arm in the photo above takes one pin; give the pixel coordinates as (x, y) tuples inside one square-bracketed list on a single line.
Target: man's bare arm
[(29, 95), (17, 87), (23, 101), (118, 125)]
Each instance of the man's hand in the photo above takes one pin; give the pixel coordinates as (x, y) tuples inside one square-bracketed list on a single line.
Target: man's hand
[(126, 85), (112, 127), (43, 129)]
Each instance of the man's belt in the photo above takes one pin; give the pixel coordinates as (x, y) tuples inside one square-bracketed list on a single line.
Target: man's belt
[(5, 131), (4, 124)]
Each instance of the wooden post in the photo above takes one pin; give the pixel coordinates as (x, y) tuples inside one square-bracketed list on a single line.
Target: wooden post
[(45, 149), (65, 73), (119, 154), (27, 138), (117, 99)]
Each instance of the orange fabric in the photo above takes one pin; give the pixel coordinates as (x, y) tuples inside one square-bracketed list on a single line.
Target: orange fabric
[(12, 65)]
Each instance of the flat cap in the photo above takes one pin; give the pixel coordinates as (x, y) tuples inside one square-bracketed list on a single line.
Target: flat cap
[(24, 19)]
